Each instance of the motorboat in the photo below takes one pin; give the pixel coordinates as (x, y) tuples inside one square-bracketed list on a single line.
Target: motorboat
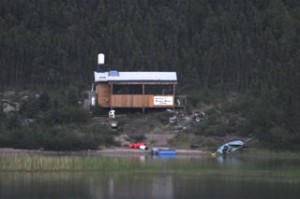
[(230, 147)]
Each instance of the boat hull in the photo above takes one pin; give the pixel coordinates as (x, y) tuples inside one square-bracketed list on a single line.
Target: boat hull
[(230, 147)]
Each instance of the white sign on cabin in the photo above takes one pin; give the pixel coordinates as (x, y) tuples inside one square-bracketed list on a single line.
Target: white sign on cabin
[(163, 101)]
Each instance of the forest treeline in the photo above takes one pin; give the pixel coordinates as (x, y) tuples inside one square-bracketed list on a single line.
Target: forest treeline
[(248, 46)]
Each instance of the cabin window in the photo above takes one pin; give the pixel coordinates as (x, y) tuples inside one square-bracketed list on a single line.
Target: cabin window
[(127, 89), (159, 89)]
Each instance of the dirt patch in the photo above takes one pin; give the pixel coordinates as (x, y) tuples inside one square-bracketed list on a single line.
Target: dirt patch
[(156, 128), (160, 139)]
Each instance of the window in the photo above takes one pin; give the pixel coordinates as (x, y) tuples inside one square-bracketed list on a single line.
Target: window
[(127, 89), (159, 89)]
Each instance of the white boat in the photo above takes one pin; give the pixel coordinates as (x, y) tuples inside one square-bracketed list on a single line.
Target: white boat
[(230, 147)]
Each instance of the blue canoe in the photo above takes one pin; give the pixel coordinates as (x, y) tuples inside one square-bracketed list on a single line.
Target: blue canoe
[(230, 147), (164, 152)]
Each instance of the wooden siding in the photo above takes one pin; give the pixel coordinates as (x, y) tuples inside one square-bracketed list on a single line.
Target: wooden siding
[(128, 101), (107, 99), (137, 101), (145, 83), (103, 95)]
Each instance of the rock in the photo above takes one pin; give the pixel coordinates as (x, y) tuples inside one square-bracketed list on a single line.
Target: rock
[(170, 111), (178, 127), (24, 98), (173, 120), (114, 124), (26, 122), (7, 108), (8, 94)]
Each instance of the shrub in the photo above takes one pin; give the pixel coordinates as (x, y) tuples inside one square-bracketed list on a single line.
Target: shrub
[(65, 115), (137, 138), (269, 123), (2, 119), (44, 101), (56, 124), (66, 137), (21, 138), (72, 97), (12, 121), (29, 107)]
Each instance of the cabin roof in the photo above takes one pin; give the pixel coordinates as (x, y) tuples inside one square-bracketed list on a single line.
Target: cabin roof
[(116, 76)]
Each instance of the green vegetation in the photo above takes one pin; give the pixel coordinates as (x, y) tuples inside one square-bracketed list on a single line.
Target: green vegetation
[(232, 44), (245, 115), (88, 162), (52, 122), (65, 137), (25, 162), (249, 47)]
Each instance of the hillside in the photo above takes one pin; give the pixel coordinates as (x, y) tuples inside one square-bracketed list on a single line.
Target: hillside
[(204, 127), (247, 47), (37, 120)]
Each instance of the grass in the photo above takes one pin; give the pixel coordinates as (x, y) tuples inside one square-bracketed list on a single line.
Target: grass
[(257, 165), (93, 163), (25, 162)]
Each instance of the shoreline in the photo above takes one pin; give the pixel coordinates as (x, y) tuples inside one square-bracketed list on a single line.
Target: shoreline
[(128, 152), (115, 151)]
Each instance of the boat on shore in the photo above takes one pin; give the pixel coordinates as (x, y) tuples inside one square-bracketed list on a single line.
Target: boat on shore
[(138, 145), (230, 147), (163, 152)]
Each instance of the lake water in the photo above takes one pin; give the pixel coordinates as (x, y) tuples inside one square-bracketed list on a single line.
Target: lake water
[(162, 184)]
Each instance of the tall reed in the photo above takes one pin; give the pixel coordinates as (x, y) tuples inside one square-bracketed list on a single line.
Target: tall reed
[(25, 162), (87, 163)]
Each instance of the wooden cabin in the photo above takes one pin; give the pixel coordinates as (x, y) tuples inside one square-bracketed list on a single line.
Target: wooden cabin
[(144, 90)]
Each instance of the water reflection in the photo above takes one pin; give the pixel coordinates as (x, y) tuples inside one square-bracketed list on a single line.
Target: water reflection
[(162, 187), (229, 161), (166, 185)]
